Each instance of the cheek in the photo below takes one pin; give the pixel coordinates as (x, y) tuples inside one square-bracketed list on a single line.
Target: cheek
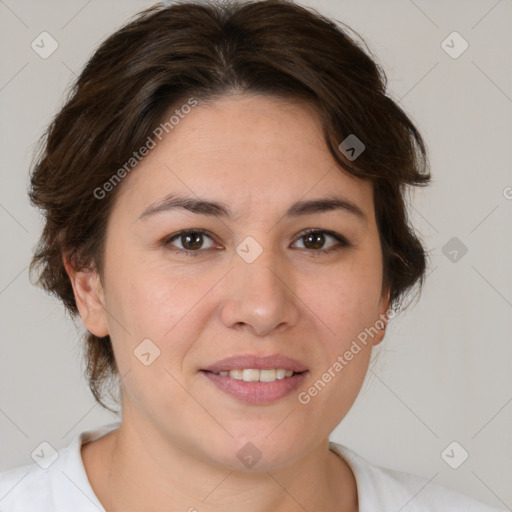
[(347, 301), (156, 302), (164, 307), (347, 297), (146, 293)]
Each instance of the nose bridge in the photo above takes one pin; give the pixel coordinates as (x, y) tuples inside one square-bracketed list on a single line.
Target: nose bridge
[(258, 294), (259, 278)]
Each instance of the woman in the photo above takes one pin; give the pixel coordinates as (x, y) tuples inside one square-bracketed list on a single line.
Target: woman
[(223, 196)]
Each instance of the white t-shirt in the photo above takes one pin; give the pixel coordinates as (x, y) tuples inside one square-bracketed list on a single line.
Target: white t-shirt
[(63, 486)]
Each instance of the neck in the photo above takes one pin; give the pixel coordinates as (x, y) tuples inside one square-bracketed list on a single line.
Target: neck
[(136, 469)]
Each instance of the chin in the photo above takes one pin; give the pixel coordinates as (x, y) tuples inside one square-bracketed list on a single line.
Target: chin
[(259, 452)]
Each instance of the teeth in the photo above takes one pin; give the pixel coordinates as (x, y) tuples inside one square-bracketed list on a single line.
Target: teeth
[(253, 375), (236, 374), (267, 375), (250, 375)]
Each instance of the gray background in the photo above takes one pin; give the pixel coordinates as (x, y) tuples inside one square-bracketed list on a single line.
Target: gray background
[(443, 371)]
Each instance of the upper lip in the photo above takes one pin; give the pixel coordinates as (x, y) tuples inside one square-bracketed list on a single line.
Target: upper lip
[(257, 362)]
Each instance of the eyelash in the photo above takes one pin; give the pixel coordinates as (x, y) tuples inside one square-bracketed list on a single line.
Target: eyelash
[(342, 241)]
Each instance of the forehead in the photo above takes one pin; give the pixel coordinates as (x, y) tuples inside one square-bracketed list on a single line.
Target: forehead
[(251, 152)]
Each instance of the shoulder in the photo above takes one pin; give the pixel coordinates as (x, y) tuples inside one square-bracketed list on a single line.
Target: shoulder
[(58, 483), (387, 489), (25, 488)]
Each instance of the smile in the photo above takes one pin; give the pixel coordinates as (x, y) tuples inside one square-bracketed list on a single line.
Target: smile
[(257, 387), (254, 375)]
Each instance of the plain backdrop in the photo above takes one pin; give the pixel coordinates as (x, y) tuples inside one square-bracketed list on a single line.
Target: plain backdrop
[(443, 373)]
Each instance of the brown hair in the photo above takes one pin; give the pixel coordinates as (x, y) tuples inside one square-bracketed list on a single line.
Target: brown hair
[(167, 54)]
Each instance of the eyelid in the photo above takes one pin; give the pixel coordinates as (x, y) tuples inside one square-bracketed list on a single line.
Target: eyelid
[(342, 242), (166, 241)]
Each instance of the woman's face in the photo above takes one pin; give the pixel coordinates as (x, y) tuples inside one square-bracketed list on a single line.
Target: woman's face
[(252, 284)]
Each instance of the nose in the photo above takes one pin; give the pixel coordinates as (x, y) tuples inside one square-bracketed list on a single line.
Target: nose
[(259, 297)]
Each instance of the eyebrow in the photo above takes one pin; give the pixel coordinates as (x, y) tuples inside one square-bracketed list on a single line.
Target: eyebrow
[(218, 209)]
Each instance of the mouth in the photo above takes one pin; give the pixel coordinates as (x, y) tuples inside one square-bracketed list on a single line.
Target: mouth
[(256, 380), (255, 375)]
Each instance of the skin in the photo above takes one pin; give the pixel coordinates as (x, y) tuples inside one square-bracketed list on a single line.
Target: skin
[(178, 443)]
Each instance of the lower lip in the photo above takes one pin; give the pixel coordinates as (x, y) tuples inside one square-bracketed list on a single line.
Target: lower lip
[(256, 392)]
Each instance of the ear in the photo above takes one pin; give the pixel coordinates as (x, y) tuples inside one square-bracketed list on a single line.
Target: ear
[(89, 297), (382, 322)]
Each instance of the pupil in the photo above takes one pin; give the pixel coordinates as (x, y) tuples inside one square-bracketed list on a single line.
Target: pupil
[(193, 241), (316, 240)]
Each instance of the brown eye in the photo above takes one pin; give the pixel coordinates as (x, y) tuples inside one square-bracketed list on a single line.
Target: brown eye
[(316, 239), (192, 242), (189, 241)]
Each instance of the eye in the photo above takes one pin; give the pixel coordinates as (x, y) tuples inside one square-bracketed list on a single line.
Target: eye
[(315, 240), (189, 241)]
